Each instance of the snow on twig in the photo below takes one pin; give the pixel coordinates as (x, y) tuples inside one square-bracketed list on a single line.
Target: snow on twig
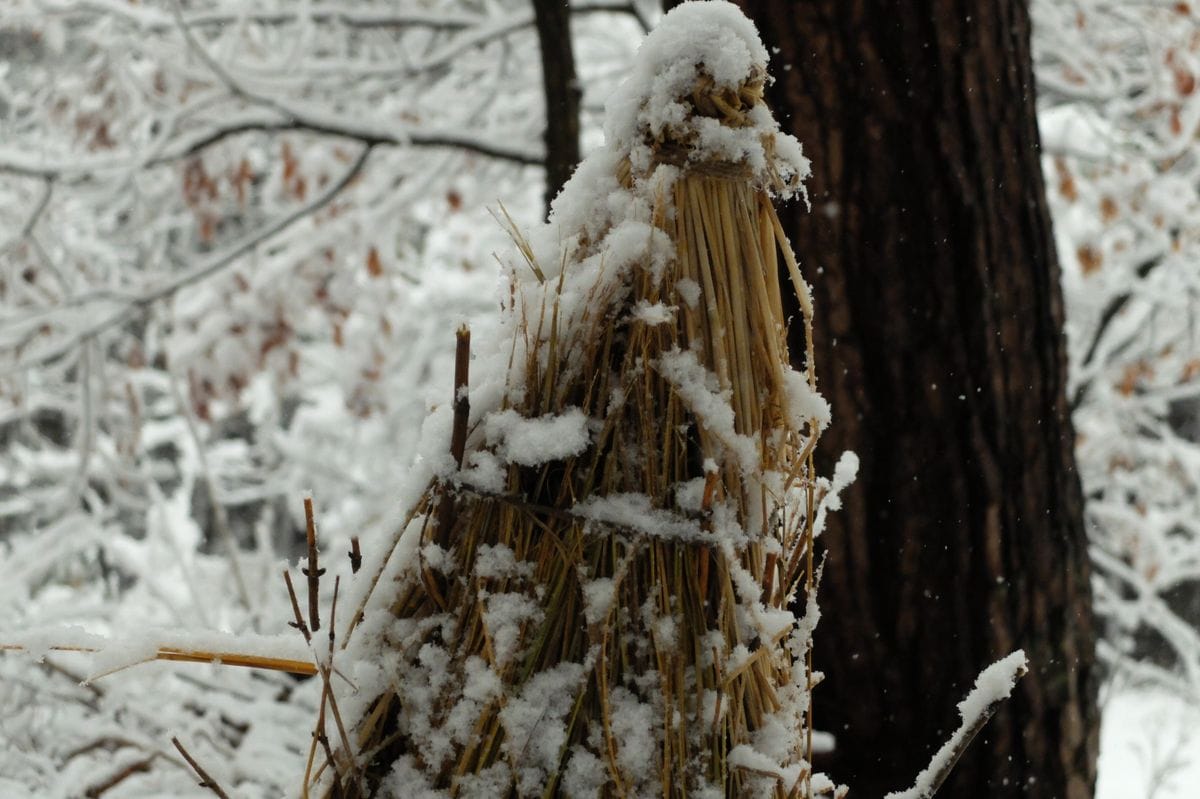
[(992, 687)]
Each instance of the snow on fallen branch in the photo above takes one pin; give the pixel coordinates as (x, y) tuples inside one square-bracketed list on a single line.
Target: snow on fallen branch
[(992, 686)]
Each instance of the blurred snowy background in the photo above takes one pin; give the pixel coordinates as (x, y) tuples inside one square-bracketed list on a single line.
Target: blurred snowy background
[(236, 240)]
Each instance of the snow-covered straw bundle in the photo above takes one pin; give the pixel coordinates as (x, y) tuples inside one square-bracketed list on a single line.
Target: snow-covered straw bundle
[(589, 595)]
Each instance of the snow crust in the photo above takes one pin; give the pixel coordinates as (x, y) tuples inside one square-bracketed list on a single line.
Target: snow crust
[(635, 512), (653, 314), (529, 442), (598, 597), (700, 391), (535, 723), (804, 403)]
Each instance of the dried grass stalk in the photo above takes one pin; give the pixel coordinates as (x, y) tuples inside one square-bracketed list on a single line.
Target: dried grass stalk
[(178, 654)]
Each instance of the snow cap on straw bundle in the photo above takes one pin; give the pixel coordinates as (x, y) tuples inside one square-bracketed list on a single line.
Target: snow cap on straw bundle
[(698, 82), (589, 595), (693, 96)]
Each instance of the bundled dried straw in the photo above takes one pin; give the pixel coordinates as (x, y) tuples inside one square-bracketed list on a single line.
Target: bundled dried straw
[(590, 597)]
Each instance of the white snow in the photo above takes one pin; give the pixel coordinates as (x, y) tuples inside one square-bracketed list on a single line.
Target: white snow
[(586, 776), (701, 393), (636, 727), (844, 474), (653, 313), (598, 597), (634, 512), (530, 442), (534, 723), (689, 495), (505, 616), (1149, 745), (484, 471), (499, 561), (804, 403), (689, 291), (746, 757)]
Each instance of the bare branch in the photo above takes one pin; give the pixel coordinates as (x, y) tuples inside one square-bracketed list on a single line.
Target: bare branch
[(366, 135), (19, 163), (299, 623), (220, 518), (1110, 312), (384, 15), (201, 271), (206, 781), (140, 766), (32, 220)]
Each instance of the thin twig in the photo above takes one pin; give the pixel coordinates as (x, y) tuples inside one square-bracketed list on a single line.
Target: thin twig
[(337, 584), (328, 695), (206, 780), (395, 137), (299, 622), (31, 220), (197, 273), (146, 19), (930, 780), (1114, 307), (318, 734), (75, 678), (115, 779), (315, 122), (220, 518), (462, 402), (326, 669), (313, 571), (273, 121)]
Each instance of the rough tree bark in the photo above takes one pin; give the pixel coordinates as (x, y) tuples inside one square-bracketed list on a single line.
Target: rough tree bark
[(939, 333), (553, 21)]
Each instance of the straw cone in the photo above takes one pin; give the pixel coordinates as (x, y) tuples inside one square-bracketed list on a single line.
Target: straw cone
[(613, 621)]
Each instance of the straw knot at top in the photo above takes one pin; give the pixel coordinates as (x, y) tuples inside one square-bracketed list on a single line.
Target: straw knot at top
[(695, 97), (729, 105)]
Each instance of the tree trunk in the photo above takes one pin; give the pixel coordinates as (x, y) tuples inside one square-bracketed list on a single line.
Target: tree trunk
[(939, 339), (553, 21)]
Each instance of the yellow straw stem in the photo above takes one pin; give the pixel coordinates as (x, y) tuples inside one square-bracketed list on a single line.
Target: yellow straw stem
[(199, 656)]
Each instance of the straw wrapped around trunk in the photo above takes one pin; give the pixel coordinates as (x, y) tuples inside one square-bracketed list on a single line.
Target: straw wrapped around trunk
[(594, 587)]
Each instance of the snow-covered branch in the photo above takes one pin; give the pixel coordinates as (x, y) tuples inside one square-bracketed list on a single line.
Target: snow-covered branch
[(992, 687)]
